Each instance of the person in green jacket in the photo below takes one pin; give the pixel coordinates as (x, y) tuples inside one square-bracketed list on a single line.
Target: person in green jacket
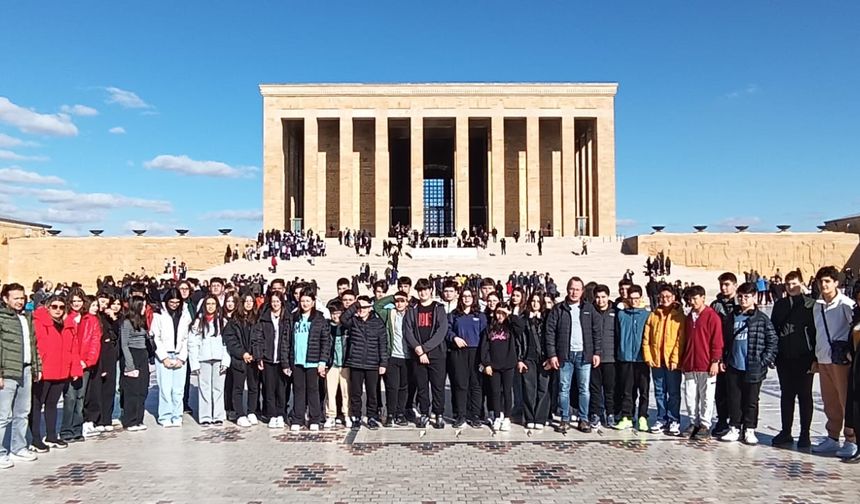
[(20, 366)]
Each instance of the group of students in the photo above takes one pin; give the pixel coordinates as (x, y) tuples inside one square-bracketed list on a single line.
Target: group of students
[(587, 358)]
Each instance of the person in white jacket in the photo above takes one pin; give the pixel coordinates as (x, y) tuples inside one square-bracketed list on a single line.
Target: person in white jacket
[(170, 334), (209, 361)]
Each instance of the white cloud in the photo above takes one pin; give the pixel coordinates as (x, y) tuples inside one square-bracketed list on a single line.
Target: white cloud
[(71, 200), (234, 215), (626, 222), (185, 165), (7, 141), (730, 222), (117, 130), (151, 227), (33, 122), (750, 89), (17, 175), (79, 110), (7, 155), (125, 98)]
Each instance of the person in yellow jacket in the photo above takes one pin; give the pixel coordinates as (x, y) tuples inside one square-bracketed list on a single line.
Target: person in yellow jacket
[(662, 347)]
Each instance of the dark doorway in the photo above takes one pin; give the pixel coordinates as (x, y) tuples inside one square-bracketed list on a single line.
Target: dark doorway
[(439, 144), (478, 173), (400, 167)]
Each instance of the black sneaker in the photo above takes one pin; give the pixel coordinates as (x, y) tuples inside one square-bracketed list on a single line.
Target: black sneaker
[(422, 421), (410, 416), (439, 423), (584, 426), (720, 430), (389, 422), (804, 442), (475, 423), (37, 446), (782, 439), (356, 423), (401, 422), (56, 443), (372, 424), (459, 422)]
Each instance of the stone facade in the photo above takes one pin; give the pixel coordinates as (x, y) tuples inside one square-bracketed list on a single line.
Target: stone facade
[(549, 155), (84, 259), (763, 252)]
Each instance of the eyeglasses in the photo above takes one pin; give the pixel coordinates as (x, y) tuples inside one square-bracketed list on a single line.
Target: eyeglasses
[(57, 306)]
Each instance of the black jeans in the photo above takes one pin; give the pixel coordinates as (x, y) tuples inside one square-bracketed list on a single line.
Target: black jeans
[(742, 397), (536, 396), (795, 381), (98, 405), (501, 391), (250, 374), (430, 378), (603, 390), (45, 393), (396, 387), (306, 396), (228, 386), (186, 396), (852, 407), (363, 380), (274, 388), (635, 379), (721, 401), (135, 390), (465, 383)]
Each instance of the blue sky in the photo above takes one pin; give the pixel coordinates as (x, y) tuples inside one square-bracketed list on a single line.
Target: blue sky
[(727, 112)]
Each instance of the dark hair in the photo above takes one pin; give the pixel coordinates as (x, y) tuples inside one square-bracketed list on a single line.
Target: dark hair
[(601, 288), (217, 280), (728, 276), (171, 293), (366, 299), (625, 281), (404, 280), (827, 272), (200, 319), (747, 288), (11, 287), (793, 275), (77, 291), (575, 279), (461, 308), (694, 290), (249, 317), (342, 281), (335, 306), (236, 302), (488, 282), (495, 326), (348, 291), (134, 315), (380, 284), (541, 299), (664, 287), (523, 302), (450, 284), (422, 284), (634, 289)]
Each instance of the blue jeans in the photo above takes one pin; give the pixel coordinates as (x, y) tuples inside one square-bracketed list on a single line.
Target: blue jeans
[(667, 392), (171, 387), (15, 400), (575, 363), (117, 403)]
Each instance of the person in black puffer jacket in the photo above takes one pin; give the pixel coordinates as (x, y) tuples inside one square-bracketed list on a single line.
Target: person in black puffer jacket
[(237, 338), (307, 357), (366, 358)]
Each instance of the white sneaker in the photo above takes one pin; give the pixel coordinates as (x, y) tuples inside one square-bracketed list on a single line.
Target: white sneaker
[(136, 428), (497, 424), (848, 450), (657, 428), (243, 422), (108, 428), (329, 423), (530, 425), (167, 424), (674, 428), (540, 426), (295, 427), (749, 437), (506, 425), (102, 428), (89, 430), (314, 427), (252, 418), (23, 456), (347, 422), (829, 445), (6, 463), (732, 435), (273, 423), (281, 423)]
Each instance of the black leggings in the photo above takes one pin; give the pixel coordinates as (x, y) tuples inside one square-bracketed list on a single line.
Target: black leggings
[(45, 393), (306, 395), (795, 382), (250, 374), (135, 390), (275, 389), (501, 391), (98, 405)]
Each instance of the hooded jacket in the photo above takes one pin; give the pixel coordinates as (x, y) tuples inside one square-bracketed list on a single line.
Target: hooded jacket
[(60, 358), (629, 333), (433, 346), (663, 340), (169, 339)]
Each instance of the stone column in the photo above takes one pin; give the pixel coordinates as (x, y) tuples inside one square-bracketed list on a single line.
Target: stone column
[(590, 172), (557, 218), (532, 173), (416, 179), (567, 191), (274, 172), (314, 198), (346, 173), (605, 151), (522, 165), (381, 178), (497, 174), (461, 176)]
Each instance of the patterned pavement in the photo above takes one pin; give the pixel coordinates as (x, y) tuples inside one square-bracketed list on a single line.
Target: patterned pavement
[(256, 465)]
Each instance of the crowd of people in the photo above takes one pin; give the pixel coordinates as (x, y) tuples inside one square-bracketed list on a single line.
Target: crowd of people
[(273, 353)]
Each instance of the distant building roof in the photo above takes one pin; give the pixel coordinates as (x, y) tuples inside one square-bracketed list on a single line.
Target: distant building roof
[(848, 217), (24, 223)]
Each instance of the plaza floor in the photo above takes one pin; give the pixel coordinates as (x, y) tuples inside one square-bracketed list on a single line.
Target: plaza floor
[(258, 465)]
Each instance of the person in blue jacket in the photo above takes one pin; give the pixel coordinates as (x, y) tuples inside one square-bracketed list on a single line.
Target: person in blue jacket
[(634, 374)]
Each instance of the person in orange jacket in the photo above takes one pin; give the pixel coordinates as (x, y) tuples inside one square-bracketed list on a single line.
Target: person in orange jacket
[(662, 347)]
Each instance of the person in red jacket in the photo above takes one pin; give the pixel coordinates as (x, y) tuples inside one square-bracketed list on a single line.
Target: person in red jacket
[(89, 341), (73, 396), (60, 364), (700, 362)]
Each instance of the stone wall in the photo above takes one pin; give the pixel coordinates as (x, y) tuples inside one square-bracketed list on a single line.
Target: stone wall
[(364, 146), (14, 230), (84, 259), (763, 252)]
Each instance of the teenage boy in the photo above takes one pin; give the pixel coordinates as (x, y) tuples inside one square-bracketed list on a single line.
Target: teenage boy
[(700, 362), (425, 328), (397, 375), (725, 305), (833, 314), (366, 358), (634, 374), (662, 346), (750, 350), (602, 384), (792, 318), (337, 376)]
